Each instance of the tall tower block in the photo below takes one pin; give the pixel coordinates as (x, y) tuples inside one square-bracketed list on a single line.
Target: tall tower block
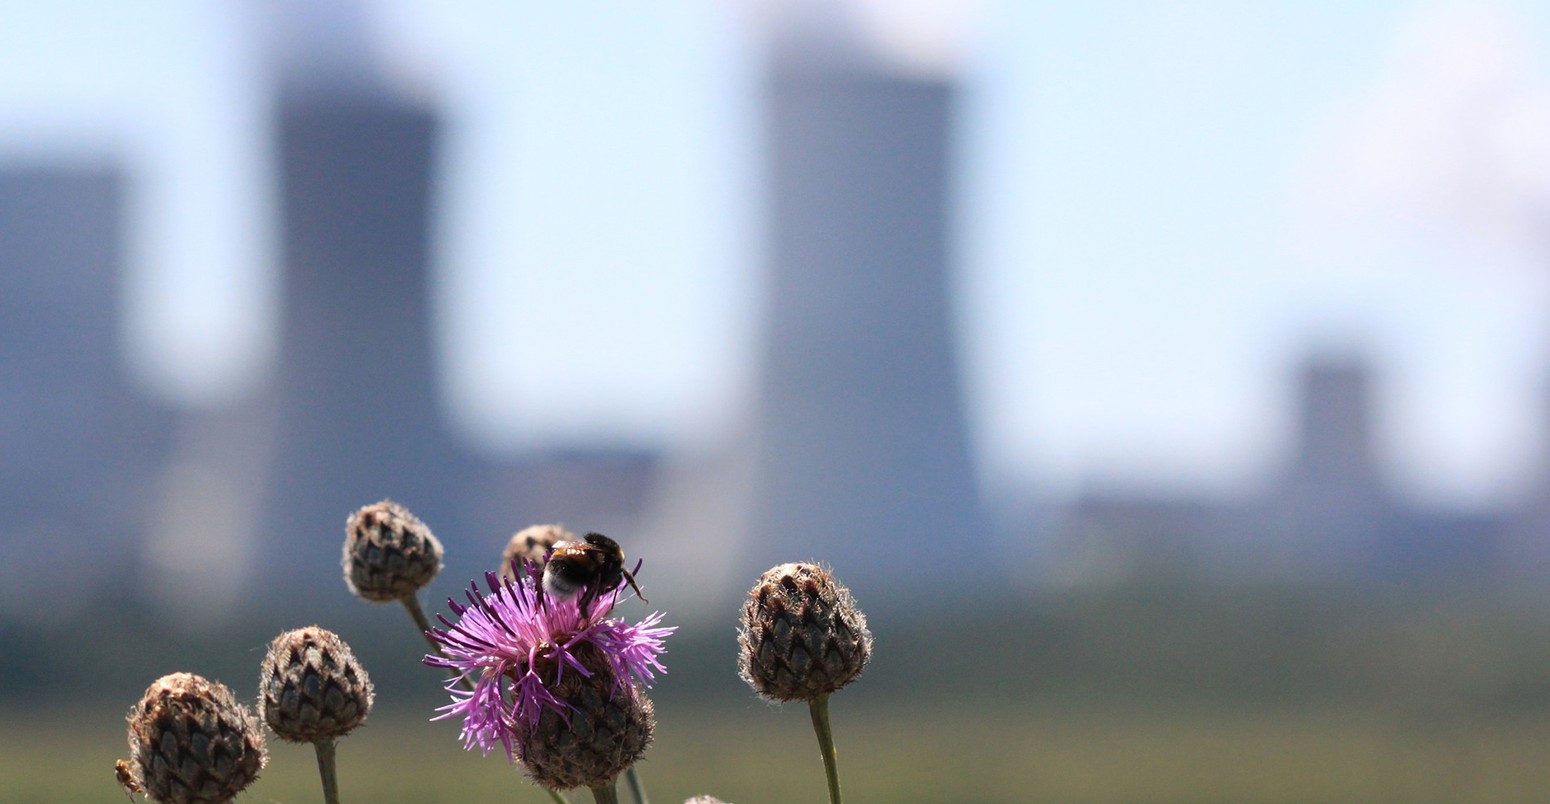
[(1335, 512), (80, 448), (862, 457), (357, 397)]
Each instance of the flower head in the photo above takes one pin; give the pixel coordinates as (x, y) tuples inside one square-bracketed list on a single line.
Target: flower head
[(311, 687), (532, 543), (388, 553), (802, 634), (191, 741), (521, 650)]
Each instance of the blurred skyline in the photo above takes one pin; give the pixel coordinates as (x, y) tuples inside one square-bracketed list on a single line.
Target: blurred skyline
[(1160, 208)]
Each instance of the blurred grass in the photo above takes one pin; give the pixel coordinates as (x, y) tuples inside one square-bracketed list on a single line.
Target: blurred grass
[(1161, 692), (921, 753)]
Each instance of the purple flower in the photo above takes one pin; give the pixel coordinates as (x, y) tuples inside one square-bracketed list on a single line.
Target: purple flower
[(514, 644)]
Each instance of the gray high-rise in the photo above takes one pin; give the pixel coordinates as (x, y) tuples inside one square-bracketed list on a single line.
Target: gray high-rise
[(357, 403), (862, 457), (81, 448), (1331, 514)]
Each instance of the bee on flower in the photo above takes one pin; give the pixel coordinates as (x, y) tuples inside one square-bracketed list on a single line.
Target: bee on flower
[(554, 681)]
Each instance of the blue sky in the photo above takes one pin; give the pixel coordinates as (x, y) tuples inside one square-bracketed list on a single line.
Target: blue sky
[(1162, 204)]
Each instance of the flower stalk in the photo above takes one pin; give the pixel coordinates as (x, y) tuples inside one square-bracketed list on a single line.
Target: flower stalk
[(327, 770), (819, 708), (637, 789), (605, 794), (423, 625)]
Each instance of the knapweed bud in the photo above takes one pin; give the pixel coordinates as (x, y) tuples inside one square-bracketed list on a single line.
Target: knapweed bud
[(533, 543), (388, 553), (607, 727), (311, 687), (190, 742), (802, 635)]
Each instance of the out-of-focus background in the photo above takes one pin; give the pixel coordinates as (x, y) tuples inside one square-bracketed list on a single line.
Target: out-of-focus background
[(1170, 382)]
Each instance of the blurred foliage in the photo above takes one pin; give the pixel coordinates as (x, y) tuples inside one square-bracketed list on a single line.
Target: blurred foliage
[(930, 752), (1166, 690), (1437, 650)]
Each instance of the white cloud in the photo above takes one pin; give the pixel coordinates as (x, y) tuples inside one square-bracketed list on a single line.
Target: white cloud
[(1452, 135)]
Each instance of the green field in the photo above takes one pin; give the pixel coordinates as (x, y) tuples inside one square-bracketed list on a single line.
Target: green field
[(759, 753), (1144, 694)]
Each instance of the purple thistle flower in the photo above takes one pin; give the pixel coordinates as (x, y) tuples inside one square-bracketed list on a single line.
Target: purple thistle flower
[(514, 643)]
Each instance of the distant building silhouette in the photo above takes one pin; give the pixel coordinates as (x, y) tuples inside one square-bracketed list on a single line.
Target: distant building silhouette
[(1326, 516), (862, 459), (1330, 509), (1526, 540), (599, 488), (80, 446), (356, 388)]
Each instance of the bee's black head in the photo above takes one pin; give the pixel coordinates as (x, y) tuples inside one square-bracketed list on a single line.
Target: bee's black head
[(606, 544)]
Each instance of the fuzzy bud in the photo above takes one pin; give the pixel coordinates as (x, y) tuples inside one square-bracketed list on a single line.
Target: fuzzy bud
[(388, 553), (533, 543), (311, 687), (190, 742), (802, 635), (608, 727)]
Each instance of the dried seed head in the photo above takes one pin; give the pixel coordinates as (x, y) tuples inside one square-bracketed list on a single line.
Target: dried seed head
[(190, 742), (606, 729), (388, 553), (533, 543), (311, 687), (802, 635)]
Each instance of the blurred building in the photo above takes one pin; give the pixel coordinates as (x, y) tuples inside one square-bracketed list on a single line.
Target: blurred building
[(1329, 510), (356, 391), (1326, 516), (861, 459), (80, 445), (1526, 540), (356, 403), (606, 489)]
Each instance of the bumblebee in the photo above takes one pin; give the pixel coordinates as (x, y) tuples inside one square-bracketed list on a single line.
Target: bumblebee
[(590, 568)]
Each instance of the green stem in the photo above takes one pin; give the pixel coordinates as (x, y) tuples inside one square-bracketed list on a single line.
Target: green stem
[(819, 708), (559, 798), (325, 749), (605, 794), (637, 790), (412, 605)]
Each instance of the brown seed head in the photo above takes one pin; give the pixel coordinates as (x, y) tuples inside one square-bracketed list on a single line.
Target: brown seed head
[(388, 553), (190, 742), (609, 727), (802, 634), (533, 543), (311, 687)]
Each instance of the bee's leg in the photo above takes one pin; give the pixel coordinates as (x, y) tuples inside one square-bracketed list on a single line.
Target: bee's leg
[(630, 576)]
